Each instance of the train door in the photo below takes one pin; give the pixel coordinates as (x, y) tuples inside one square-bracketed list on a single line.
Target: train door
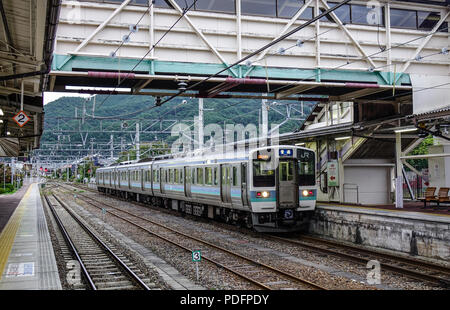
[(142, 178), (244, 193), (225, 184), (129, 178), (162, 179), (187, 181), (287, 187)]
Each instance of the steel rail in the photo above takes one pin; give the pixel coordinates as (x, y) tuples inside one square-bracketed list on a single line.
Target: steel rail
[(273, 269), (124, 267), (72, 246), (399, 270), (417, 275)]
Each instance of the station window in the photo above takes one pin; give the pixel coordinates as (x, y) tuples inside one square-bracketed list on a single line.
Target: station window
[(259, 7), (161, 4), (427, 21), (288, 8), (366, 15), (226, 6), (343, 13), (403, 18)]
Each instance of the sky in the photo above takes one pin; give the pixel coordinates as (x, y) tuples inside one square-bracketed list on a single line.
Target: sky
[(52, 96)]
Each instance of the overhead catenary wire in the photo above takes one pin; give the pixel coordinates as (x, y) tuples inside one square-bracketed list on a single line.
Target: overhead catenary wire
[(256, 52), (281, 38), (148, 52)]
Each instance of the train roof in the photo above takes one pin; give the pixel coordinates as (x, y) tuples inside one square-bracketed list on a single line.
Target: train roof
[(202, 157)]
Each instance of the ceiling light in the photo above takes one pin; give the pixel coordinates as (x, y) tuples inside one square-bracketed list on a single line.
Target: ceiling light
[(342, 138), (405, 130)]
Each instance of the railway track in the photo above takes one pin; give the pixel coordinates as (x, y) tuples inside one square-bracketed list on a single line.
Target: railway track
[(415, 269), (259, 274), (412, 268), (102, 268)]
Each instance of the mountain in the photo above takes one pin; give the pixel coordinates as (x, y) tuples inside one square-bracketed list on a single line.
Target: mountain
[(127, 110)]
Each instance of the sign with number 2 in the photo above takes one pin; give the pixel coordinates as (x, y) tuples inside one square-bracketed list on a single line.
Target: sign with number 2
[(21, 118)]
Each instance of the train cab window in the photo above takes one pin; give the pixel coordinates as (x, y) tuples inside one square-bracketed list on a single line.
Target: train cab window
[(263, 173), (216, 176), (306, 169), (208, 176), (199, 175), (235, 176)]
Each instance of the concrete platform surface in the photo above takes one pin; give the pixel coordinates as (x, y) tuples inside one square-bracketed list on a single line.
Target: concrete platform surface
[(27, 261)]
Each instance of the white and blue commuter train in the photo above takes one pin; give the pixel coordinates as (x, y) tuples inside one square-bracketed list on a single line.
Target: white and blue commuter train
[(272, 189)]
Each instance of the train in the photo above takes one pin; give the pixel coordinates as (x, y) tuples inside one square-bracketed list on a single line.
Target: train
[(268, 189)]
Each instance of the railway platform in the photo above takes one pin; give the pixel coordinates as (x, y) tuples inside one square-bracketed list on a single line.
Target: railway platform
[(27, 260), (411, 230)]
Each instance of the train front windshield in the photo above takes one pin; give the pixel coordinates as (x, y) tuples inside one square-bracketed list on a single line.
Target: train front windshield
[(306, 167), (263, 173)]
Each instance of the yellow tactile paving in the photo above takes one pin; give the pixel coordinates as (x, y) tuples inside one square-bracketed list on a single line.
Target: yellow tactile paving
[(9, 232)]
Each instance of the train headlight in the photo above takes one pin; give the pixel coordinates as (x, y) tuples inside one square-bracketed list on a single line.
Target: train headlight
[(264, 194), (305, 193)]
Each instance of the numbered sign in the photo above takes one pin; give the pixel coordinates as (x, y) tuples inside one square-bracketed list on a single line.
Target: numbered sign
[(196, 256), (21, 118)]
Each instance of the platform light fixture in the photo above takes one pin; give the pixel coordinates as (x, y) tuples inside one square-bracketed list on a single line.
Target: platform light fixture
[(1, 112), (342, 138), (300, 144), (405, 130)]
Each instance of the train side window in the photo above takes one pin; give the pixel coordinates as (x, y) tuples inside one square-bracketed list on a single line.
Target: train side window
[(208, 176), (177, 176), (216, 176), (199, 175), (243, 173), (235, 176)]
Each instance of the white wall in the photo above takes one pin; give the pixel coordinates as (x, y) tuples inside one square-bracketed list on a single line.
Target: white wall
[(373, 181)]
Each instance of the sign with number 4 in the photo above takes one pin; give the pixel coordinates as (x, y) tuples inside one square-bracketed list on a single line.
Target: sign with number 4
[(21, 118)]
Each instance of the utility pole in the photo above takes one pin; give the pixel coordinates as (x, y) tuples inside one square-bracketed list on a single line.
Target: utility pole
[(138, 146), (200, 123), (112, 146)]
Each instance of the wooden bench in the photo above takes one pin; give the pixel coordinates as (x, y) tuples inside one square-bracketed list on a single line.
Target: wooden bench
[(429, 196), (442, 196)]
